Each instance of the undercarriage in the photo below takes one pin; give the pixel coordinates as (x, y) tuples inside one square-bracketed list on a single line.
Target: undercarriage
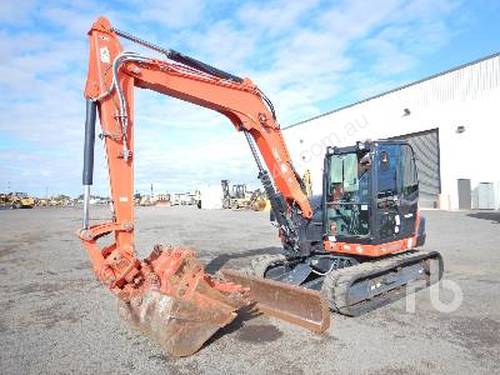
[(354, 285)]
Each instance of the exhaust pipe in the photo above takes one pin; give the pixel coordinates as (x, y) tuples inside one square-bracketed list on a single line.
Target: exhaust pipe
[(88, 158)]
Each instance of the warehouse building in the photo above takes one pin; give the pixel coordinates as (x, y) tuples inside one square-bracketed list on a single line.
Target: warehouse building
[(452, 120)]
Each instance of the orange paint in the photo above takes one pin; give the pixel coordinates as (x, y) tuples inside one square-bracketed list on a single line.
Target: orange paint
[(241, 103)]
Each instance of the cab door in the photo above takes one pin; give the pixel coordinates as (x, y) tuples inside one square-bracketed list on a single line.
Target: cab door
[(408, 181), (396, 187), (387, 218)]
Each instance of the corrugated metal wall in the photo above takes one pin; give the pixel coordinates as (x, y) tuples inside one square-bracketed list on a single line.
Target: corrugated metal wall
[(460, 83), (463, 97)]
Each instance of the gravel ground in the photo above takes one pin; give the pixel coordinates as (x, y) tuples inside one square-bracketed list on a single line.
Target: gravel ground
[(57, 319)]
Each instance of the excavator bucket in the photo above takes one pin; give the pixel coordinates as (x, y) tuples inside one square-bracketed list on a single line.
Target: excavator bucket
[(180, 326), (178, 305), (300, 306), (181, 307)]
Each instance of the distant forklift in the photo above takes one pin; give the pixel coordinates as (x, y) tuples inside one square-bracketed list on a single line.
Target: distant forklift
[(240, 198)]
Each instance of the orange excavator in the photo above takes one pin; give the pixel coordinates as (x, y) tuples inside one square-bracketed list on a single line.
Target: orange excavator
[(334, 256)]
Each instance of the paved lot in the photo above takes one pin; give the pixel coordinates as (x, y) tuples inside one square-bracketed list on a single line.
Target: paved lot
[(57, 319)]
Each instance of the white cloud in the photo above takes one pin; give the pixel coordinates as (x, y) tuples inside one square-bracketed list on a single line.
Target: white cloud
[(172, 14), (301, 53), (274, 17)]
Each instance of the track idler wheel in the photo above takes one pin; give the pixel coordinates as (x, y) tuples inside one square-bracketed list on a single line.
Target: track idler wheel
[(263, 263)]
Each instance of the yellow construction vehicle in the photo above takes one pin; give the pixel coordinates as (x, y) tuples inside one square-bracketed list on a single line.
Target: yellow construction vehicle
[(20, 200), (239, 197), (41, 202)]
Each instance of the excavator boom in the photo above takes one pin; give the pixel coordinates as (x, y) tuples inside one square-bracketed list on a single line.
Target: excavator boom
[(168, 295)]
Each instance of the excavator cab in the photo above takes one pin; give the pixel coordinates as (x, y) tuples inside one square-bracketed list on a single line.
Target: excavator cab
[(360, 244), (371, 193)]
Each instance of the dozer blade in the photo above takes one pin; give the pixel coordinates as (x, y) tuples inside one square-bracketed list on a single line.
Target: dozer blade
[(300, 306)]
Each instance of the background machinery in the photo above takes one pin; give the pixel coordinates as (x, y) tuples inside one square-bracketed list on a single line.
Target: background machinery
[(306, 178), (4, 201), (163, 200), (226, 194), (352, 247), (239, 197), (17, 200)]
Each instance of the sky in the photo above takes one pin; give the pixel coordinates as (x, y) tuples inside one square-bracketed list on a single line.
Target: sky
[(308, 56)]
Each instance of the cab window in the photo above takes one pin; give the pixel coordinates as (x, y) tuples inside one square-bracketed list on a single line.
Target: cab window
[(409, 179)]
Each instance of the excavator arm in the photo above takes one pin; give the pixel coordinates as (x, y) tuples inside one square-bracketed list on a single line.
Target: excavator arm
[(112, 76), (168, 294)]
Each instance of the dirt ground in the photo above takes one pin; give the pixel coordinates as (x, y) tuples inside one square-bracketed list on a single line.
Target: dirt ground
[(57, 319)]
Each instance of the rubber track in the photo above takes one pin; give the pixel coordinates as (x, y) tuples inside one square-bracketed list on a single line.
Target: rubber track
[(263, 262), (336, 284)]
